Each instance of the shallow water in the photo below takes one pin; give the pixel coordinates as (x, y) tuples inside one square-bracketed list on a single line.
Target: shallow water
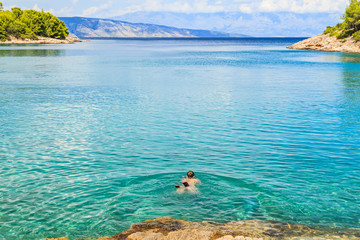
[(95, 135)]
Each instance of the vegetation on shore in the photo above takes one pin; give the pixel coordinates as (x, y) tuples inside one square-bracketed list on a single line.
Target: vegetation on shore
[(30, 24), (351, 24)]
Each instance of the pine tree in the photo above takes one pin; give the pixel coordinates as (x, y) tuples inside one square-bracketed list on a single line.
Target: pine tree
[(30, 24), (351, 24), (352, 15)]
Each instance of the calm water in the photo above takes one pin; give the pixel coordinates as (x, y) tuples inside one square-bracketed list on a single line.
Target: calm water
[(93, 136)]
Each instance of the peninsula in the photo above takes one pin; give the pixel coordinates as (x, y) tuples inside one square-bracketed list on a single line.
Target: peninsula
[(31, 27), (344, 37)]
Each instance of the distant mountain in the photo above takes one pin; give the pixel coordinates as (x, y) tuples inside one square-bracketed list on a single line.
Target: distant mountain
[(260, 24), (106, 28)]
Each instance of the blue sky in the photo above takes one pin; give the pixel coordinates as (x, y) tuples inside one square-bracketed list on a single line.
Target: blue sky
[(251, 17), (110, 8)]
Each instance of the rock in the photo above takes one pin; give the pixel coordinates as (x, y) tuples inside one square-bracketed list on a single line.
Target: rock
[(146, 236), (166, 228), (41, 40), (188, 234), (62, 238), (229, 237), (325, 42)]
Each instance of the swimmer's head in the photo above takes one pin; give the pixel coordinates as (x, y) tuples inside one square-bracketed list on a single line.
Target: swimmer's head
[(190, 174)]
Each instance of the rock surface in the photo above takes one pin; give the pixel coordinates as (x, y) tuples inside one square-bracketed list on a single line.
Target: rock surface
[(166, 228), (324, 42), (41, 40)]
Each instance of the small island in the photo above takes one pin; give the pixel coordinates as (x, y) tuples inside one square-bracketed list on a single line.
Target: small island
[(344, 37), (32, 27)]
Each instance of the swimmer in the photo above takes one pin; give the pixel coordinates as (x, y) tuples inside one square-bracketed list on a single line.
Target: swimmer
[(189, 182)]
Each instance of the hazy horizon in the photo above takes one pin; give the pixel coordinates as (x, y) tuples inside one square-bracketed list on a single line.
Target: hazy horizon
[(259, 18)]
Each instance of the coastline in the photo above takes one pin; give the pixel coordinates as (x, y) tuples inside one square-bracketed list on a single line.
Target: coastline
[(327, 43), (40, 40), (167, 228)]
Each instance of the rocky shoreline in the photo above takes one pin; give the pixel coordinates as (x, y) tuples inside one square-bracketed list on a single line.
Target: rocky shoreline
[(40, 40), (166, 228), (325, 42)]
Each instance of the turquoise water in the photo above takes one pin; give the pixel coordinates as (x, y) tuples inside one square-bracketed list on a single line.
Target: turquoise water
[(95, 135)]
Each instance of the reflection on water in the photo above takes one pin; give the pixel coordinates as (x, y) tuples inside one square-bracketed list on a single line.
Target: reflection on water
[(31, 52), (91, 143), (351, 81), (349, 58), (350, 105)]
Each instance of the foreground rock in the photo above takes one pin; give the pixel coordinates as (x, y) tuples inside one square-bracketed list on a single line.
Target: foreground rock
[(166, 228), (41, 40), (324, 42)]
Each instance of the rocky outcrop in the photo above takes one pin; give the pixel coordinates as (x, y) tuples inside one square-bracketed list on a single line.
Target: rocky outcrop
[(325, 42), (166, 228), (41, 40)]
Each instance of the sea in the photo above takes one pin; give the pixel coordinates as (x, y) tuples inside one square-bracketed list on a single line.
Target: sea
[(94, 135)]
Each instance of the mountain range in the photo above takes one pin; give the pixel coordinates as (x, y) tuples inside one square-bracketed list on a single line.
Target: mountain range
[(109, 28), (260, 24)]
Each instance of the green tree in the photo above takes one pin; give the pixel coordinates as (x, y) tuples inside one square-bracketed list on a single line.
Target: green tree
[(351, 24), (30, 24), (17, 12), (352, 16)]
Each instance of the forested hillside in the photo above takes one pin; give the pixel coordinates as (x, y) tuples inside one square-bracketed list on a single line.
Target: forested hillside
[(30, 24), (351, 24)]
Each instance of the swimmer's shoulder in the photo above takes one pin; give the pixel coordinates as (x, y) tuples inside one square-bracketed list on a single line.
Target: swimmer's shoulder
[(195, 180)]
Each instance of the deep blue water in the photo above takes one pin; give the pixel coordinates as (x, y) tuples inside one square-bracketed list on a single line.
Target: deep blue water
[(93, 136)]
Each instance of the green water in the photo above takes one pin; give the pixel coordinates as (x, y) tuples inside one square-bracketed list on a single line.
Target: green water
[(93, 136)]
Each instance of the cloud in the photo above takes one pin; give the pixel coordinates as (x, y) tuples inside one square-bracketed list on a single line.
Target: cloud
[(64, 12), (36, 7), (244, 6), (302, 6), (92, 10), (183, 6)]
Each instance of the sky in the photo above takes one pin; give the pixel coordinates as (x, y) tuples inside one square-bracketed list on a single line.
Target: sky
[(111, 8), (250, 17)]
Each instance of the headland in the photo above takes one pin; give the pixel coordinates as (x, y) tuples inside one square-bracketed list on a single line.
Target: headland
[(344, 37), (326, 42), (39, 40)]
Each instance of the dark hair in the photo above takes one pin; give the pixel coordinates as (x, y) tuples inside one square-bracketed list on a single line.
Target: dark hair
[(190, 174)]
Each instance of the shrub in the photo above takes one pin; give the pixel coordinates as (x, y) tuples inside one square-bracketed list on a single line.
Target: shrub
[(356, 36), (330, 30), (345, 34)]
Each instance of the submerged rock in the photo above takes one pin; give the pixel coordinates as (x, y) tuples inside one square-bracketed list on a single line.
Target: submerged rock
[(166, 228), (325, 42)]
